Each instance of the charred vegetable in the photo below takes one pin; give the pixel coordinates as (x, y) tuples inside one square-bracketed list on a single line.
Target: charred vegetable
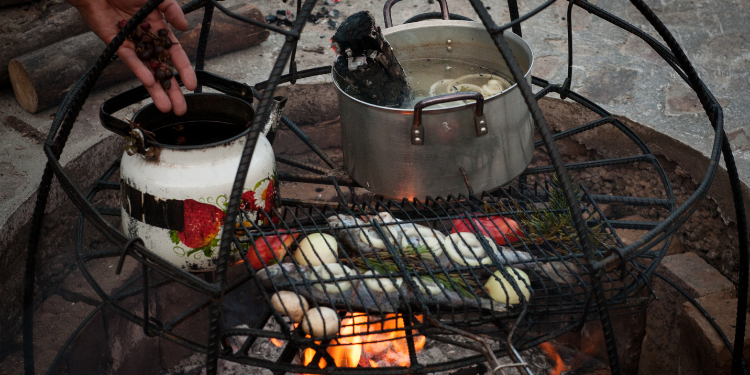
[(367, 63)]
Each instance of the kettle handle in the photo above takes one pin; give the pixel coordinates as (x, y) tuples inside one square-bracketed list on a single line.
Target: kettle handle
[(389, 4), (480, 123), (132, 96)]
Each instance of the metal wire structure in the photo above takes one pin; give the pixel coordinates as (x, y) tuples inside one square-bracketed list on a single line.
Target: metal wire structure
[(586, 273)]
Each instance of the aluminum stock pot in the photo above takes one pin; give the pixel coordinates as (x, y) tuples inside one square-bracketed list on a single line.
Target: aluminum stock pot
[(433, 151), (175, 188)]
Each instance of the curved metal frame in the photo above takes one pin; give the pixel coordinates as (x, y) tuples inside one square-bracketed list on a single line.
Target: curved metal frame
[(671, 53)]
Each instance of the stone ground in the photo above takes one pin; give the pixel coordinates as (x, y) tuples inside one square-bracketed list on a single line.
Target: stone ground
[(614, 69)]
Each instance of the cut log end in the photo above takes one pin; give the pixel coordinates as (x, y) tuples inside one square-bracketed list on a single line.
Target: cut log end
[(23, 87)]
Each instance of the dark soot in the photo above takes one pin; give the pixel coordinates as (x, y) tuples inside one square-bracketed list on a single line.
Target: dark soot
[(196, 133)]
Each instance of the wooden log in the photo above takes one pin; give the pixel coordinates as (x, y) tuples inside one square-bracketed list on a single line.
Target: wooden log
[(57, 27), (42, 78), (6, 3)]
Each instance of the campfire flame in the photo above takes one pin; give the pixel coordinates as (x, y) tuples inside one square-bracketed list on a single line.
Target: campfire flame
[(363, 349), (552, 353)]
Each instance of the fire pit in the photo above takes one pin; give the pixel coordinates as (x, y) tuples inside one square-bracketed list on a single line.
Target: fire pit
[(370, 269)]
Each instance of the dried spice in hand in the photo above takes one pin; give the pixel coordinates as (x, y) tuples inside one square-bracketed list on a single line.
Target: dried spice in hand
[(153, 50)]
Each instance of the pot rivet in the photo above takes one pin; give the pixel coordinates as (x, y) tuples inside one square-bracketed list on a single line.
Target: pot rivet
[(483, 130), (449, 41), (449, 48), (417, 139), (481, 122), (416, 132)]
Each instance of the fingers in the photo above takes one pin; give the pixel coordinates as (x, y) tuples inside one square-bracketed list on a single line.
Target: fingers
[(182, 64), (161, 100), (173, 13), (179, 107), (171, 99)]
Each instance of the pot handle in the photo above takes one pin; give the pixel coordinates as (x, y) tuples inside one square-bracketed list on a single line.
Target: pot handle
[(389, 4), (132, 96), (480, 123)]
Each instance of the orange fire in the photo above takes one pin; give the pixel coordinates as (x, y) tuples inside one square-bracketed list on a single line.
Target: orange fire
[(550, 351), (357, 347), (280, 343)]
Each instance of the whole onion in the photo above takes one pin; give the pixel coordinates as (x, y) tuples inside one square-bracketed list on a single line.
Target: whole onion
[(317, 249), (501, 290)]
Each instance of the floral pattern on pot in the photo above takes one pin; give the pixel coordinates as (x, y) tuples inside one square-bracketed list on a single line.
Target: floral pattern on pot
[(204, 218), (262, 197)]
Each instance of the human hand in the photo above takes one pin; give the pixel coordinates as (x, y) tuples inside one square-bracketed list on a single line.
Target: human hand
[(102, 17)]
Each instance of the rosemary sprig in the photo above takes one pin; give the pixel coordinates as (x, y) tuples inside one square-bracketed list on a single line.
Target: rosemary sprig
[(415, 260), (554, 223)]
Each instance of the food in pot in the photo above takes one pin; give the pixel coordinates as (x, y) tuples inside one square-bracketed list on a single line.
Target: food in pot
[(485, 84), (331, 272), (438, 76), (494, 227), (367, 62), (317, 249), (321, 321), (382, 284), (290, 304), (501, 290), (264, 249)]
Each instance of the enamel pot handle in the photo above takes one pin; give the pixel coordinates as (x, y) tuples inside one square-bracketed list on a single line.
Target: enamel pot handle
[(480, 123), (135, 95), (389, 4)]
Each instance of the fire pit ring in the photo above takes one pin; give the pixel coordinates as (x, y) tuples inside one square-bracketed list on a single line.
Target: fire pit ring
[(528, 197)]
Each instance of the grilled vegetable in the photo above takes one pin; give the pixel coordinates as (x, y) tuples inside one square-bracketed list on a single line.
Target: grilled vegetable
[(501, 290), (290, 304), (317, 249), (262, 252), (494, 227)]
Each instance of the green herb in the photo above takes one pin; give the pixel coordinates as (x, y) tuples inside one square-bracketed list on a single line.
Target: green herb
[(418, 259), (554, 223)]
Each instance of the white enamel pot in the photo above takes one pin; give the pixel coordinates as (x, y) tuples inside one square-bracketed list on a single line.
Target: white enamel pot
[(176, 187)]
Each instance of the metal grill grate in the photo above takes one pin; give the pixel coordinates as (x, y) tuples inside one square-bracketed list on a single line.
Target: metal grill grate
[(571, 280)]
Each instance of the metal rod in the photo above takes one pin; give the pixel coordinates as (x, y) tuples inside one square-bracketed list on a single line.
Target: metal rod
[(200, 55)]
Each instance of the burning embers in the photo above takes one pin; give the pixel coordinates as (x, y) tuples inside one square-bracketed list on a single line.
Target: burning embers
[(568, 360), (552, 354), (367, 342)]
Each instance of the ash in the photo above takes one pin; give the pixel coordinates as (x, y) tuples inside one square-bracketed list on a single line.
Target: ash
[(433, 352)]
